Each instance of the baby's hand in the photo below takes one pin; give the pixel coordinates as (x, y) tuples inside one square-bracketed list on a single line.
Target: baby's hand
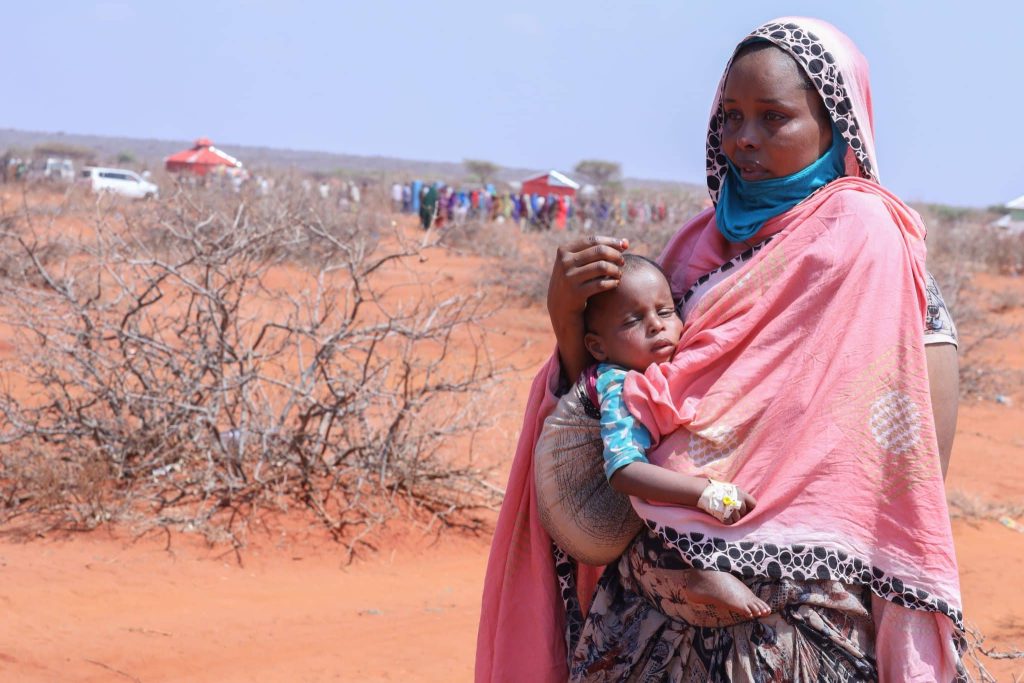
[(747, 504), (726, 502)]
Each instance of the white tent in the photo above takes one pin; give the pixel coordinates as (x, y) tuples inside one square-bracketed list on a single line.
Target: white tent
[(1017, 204), (1012, 222)]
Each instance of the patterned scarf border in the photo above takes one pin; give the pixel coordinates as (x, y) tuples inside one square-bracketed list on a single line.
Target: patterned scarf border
[(747, 559)]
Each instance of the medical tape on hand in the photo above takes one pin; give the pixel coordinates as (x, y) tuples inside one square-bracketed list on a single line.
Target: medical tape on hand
[(720, 499)]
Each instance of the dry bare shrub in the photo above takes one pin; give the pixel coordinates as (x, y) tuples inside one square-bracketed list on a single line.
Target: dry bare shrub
[(195, 363), (967, 506), (521, 259), (16, 212), (975, 649), (960, 245), (496, 239)]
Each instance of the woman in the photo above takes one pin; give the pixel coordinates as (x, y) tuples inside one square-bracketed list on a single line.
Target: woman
[(802, 376)]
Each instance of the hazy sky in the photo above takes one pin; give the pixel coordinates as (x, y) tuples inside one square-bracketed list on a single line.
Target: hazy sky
[(525, 84)]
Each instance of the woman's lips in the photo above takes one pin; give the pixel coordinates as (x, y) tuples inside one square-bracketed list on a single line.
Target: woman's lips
[(753, 172)]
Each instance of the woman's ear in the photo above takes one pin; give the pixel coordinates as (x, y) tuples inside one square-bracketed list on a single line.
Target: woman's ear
[(595, 345)]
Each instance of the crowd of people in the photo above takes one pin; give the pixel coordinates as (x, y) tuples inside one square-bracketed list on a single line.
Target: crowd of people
[(438, 204)]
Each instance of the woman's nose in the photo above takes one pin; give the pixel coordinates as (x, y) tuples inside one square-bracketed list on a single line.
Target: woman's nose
[(747, 137)]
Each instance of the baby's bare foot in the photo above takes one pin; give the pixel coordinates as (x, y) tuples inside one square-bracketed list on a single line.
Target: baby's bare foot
[(725, 594)]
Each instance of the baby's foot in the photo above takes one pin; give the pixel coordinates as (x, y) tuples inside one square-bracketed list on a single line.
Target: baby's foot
[(725, 595)]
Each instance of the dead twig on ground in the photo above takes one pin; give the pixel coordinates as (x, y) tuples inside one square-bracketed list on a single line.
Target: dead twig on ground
[(113, 670)]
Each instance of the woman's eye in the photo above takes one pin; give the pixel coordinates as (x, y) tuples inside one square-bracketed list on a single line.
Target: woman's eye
[(773, 116), (732, 116)]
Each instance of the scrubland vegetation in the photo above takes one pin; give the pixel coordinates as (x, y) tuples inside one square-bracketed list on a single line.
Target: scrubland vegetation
[(197, 362), (210, 358)]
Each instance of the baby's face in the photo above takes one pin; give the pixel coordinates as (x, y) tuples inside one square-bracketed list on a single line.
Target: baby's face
[(638, 325)]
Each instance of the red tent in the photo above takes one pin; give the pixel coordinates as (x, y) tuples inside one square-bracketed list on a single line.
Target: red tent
[(551, 182), (201, 159)]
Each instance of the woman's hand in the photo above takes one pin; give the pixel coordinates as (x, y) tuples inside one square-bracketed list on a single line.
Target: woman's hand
[(582, 268)]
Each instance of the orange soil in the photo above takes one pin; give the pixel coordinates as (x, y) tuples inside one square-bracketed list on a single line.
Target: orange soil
[(99, 607)]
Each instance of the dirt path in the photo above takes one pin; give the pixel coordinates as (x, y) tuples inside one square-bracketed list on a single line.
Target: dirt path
[(93, 609)]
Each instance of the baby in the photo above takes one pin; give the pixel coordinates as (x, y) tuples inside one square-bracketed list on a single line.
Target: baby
[(628, 328)]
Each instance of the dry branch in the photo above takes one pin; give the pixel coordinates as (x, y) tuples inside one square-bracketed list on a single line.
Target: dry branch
[(191, 363)]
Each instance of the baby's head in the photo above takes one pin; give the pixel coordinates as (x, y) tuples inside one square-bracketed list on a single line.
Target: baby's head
[(634, 324)]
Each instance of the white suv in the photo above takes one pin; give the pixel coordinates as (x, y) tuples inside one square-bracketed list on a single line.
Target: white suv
[(119, 181)]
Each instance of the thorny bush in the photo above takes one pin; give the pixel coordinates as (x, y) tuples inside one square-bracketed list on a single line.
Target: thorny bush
[(198, 362), (962, 244)]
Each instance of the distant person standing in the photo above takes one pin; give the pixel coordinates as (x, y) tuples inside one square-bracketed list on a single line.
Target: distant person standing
[(485, 205), (428, 206), (407, 203), (396, 197), (415, 195), (441, 215), (461, 210), (451, 203), (517, 208)]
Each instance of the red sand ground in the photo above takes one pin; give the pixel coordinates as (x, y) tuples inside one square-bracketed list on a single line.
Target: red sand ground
[(102, 607)]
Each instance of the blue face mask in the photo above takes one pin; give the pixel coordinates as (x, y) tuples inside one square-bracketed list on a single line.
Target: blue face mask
[(744, 206)]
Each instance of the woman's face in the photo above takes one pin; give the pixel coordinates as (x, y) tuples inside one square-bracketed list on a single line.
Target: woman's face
[(774, 126)]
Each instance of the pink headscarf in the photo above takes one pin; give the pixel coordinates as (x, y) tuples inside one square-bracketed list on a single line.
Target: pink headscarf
[(802, 377), (840, 74)]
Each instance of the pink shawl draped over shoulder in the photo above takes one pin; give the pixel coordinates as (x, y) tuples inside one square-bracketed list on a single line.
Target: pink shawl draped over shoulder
[(802, 378), (522, 622)]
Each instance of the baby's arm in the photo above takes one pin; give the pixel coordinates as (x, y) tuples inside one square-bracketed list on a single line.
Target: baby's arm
[(626, 441), (644, 480), (650, 482)]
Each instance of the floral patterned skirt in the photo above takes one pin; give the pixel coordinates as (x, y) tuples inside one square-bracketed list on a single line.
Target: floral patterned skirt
[(637, 629)]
